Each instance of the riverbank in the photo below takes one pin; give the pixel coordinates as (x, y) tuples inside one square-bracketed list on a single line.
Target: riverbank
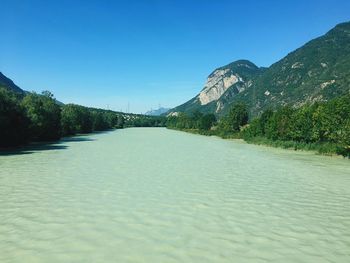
[(326, 148), (222, 135)]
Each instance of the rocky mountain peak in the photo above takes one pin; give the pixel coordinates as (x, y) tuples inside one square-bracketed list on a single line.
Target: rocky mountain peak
[(223, 78), (216, 85)]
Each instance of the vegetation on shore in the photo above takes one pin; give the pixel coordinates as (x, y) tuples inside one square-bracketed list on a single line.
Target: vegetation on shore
[(39, 117), (323, 126)]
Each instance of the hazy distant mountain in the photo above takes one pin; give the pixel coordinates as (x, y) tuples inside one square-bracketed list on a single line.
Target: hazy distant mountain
[(7, 83), (157, 112), (317, 71)]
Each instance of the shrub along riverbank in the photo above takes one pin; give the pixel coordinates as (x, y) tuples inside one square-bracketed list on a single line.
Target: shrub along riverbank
[(39, 117), (323, 126)]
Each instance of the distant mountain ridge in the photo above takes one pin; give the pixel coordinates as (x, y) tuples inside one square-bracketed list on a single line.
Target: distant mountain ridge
[(7, 83), (157, 112), (317, 71)]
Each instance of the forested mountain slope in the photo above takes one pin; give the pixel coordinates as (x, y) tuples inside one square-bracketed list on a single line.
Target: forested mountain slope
[(8, 84), (317, 71)]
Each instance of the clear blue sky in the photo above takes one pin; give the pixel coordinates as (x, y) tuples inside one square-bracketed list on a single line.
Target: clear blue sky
[(99, 53)]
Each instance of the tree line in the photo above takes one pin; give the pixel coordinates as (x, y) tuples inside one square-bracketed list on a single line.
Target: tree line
[(196, 120), (207, 123), (145, 121), (321, 126), (39, 117)]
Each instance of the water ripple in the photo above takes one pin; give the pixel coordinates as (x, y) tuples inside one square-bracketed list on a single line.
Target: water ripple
[(155, 195)]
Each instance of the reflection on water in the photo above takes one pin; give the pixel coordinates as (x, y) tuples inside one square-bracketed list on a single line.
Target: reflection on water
[(156, 195)]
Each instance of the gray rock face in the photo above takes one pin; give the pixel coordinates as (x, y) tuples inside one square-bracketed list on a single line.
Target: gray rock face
[(217, 84), (221, 86)]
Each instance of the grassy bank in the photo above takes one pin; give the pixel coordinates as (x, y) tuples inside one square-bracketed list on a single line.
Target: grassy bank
[(325, 148), (223, 135)]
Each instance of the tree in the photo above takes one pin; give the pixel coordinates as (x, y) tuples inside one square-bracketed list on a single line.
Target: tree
[(75, 119), (120, 122), (279, 125), (237, 117), (207, 121), (302, 124), (99, 122), (13, 121), (44, 114), (195, 120)]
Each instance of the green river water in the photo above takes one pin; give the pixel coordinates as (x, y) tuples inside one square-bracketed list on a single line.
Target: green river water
[(158, 195)]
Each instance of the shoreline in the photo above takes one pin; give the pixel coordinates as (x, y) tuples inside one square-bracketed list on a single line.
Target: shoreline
[(314, 148)]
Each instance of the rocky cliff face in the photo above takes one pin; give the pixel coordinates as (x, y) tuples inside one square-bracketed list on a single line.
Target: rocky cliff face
[(216, 85), (232, 76), (223, 82)]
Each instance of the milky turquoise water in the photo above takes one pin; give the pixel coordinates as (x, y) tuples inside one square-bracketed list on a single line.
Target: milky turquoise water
[(157, 195)]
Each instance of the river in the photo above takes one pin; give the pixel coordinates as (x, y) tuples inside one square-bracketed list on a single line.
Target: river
[(158, 195)]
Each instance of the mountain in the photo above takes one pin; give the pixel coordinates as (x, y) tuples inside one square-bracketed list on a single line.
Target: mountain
[(7, 83), (157, 112), (317, 71), (223, 82)]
